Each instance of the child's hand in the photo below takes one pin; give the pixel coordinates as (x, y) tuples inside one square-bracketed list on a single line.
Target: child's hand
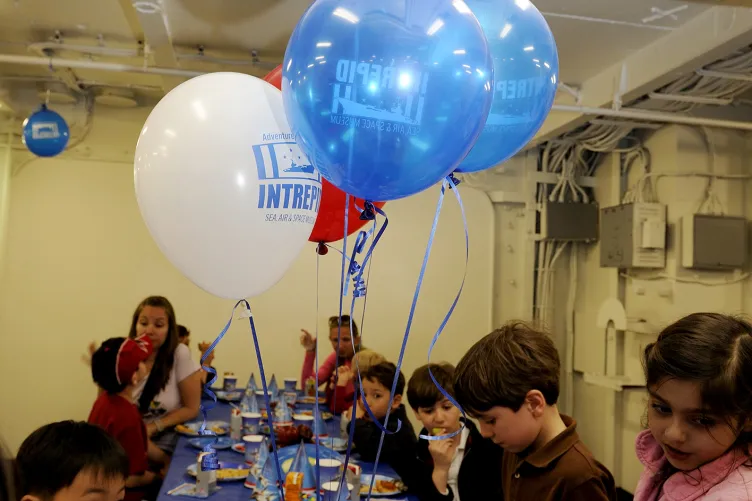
[(307, 341), (442, 451), (344, 375), (360, 410), (202, 347), (91, 349)]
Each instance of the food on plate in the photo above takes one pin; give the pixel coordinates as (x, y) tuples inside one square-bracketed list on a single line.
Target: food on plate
[(380, 487), (326, 416), (187, 430), (230, 473), (311, 400)]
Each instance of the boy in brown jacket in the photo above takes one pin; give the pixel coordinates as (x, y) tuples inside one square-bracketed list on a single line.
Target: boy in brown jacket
[(509, 381)]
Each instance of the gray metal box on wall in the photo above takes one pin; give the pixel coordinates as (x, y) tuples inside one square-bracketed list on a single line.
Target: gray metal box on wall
[(633, 236), (568, 221), (711, 242)]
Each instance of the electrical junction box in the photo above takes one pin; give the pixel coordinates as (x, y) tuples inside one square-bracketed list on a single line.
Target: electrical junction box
[(569, 221), (633, 236), (711, 242)]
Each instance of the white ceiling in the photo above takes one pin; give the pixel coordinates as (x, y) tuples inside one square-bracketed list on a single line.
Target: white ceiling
[(592, 35)]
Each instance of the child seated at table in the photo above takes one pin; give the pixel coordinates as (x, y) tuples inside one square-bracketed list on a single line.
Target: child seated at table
[(509, 381), (362, 361), (68, 461), (465, 466), (118, 367), (377, 384)]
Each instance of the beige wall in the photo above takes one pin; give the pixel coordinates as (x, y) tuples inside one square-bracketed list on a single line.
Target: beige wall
[(80, 259), (609, 420)]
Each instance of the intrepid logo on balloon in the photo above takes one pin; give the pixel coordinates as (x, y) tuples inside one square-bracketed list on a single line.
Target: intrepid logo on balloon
[(378, 97), (45, 130), (515, 103), (287, 180)]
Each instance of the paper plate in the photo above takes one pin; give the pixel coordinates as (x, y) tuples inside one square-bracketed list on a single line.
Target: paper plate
[(201, 442), (230, 396), (228, 472), (334, 443), (382, 487), (191, 429)]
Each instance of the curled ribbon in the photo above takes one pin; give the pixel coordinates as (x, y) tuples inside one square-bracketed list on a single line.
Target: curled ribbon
[(449, 182), (210, 460)]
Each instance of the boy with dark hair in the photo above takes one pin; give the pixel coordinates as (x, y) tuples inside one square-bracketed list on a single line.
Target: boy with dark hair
[(509, 380), (465, 466), (397, 447), (118, 367), (70, 461)]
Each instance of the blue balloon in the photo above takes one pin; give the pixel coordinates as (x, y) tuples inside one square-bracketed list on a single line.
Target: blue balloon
[(386, 97), (526, 73), (45, 133)]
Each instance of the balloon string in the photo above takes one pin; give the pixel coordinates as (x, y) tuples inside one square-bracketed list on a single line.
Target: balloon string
[(342, 286), (269, 412), (447, 182), (316, 395), (452, 181), (362, 292), (208, 461)]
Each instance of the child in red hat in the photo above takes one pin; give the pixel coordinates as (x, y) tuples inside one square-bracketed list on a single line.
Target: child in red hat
[(118, 367)]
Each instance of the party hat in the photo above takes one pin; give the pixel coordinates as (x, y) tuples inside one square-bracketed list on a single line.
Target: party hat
[(282, 412), (269, 471), (273, 388), (301, 464), (251, 387), (253, 405), (319, 425), (262, 454), (269, 493), (251, 481), (245, 403)]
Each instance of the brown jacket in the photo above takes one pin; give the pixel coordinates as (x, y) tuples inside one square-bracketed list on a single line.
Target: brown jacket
[(562, 470)]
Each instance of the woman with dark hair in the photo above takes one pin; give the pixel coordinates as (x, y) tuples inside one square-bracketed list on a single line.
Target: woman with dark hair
[(171, 394)]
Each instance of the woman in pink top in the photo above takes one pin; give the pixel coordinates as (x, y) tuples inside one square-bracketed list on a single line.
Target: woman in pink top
[(699, 378), (335, 371)]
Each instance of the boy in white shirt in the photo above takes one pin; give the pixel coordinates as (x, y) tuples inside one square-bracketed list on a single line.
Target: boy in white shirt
[(466, 466)]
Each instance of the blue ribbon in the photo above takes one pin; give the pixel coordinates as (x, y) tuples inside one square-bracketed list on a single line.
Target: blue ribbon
[(210, 461), (359, 290), (449, 182), (316, 393)]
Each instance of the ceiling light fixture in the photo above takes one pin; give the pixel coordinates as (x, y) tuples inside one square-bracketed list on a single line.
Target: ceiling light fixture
[(147, 7)]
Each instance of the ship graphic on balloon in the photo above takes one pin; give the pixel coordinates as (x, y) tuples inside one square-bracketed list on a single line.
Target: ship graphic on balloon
[(283, 161)]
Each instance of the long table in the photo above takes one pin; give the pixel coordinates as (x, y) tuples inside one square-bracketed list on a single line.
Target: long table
[(185, 455)]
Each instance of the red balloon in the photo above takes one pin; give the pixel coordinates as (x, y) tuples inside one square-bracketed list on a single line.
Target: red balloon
[(275, 77), (330, 223)]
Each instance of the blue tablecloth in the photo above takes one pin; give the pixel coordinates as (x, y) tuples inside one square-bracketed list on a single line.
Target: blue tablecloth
[(185, 455)]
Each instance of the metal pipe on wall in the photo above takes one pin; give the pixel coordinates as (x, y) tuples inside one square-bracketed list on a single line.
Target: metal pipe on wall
[(625, 113), (654, 116), (95, 65)]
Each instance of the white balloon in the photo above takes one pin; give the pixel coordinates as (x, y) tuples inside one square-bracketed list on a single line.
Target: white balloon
[(226, 193)]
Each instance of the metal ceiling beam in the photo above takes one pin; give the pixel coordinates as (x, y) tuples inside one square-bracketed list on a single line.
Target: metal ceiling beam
[(708, 37), (151, 19)]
